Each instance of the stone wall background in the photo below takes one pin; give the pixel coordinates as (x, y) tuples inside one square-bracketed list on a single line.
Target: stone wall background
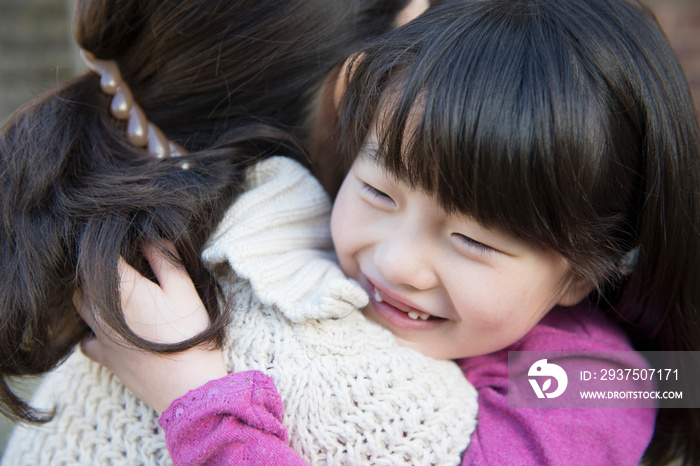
[(37, 51)]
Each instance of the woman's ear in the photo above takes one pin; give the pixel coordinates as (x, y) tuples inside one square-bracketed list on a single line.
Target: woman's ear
[(344, 76), (411, 11), (577, 289)]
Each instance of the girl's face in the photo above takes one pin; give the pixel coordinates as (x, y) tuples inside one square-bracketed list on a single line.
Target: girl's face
[(441, 283)]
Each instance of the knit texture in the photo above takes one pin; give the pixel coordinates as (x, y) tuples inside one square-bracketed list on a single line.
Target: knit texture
[(351, 395), (98, 422)]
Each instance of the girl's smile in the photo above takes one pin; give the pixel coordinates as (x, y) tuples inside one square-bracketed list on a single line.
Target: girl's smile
[(398, 311), (440, 282)]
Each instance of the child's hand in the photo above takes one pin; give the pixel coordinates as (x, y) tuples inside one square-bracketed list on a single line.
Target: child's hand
[(167, 313)]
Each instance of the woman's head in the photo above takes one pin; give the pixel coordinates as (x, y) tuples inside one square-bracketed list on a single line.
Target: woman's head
[(200, 67)]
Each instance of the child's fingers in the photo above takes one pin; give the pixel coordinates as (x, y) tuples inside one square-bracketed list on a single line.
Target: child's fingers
[(167, 312), (170, 275), (129, 278)]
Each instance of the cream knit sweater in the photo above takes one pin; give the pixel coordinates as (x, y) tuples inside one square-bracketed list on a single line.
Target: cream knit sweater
[(351, 395)]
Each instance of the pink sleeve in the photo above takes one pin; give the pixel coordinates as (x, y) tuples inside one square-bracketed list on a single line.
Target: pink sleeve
[(233, 420), (590, 436)]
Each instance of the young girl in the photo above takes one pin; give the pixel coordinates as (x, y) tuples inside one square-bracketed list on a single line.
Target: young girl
[(527, 179), (96, 419)]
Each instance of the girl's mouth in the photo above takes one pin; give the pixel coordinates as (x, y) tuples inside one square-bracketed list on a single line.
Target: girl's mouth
[(397, 314), (415, 314)]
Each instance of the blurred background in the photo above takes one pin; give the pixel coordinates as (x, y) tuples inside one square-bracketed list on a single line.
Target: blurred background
[(37, 51)]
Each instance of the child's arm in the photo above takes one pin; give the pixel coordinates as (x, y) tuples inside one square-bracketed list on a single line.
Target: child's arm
[(221, 419), (233, 420)]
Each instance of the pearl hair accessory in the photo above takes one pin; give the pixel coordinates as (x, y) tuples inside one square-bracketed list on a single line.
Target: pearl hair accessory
[(140, 132)]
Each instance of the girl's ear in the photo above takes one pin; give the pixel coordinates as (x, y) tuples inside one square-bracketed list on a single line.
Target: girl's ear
[(578, 289)]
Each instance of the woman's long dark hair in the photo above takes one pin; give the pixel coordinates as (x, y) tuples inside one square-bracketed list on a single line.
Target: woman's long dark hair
[(230, 81), (571, 125)]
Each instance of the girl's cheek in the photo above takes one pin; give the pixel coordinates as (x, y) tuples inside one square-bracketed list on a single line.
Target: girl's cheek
[(337, 220), (342, 238)]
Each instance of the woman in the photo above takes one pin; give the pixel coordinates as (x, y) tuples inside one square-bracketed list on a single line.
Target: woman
[(229, 82)]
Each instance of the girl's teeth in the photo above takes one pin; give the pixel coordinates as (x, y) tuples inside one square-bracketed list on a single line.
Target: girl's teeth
[(377, 298), (413, 314)]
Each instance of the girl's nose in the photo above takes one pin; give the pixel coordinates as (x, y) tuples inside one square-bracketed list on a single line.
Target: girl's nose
[(405, 260)]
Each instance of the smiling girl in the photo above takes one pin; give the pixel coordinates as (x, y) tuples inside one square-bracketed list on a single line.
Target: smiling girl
[(526, 179)]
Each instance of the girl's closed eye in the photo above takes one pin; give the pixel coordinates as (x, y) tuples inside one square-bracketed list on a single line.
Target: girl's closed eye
[(376, 195), (471, 245)]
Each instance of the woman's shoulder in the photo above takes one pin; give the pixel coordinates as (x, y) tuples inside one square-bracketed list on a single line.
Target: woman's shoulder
[(91, 405)]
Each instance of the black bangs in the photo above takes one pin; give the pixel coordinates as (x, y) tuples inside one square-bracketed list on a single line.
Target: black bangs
[(494, 112)]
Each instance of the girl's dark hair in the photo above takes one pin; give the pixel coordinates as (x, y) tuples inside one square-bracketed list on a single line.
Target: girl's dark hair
[(568, 123), (230, 81)]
